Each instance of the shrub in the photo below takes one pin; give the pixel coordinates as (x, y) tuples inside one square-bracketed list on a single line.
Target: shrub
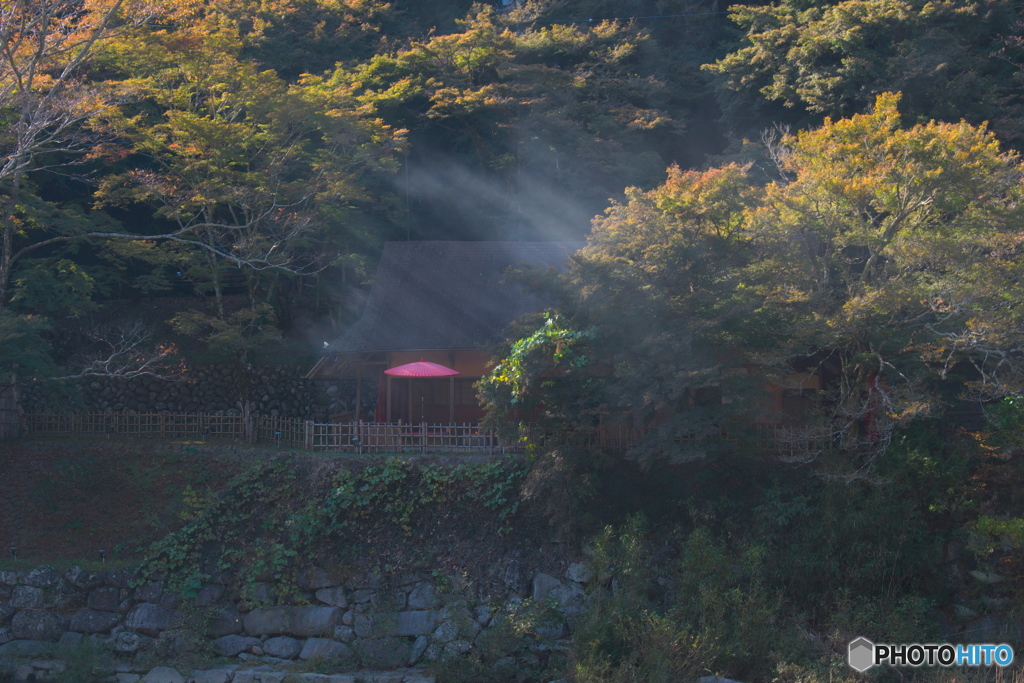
[(706, 611)]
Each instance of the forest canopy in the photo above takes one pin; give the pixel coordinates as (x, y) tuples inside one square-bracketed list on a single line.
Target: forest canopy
[(884, 258), (254, 156)]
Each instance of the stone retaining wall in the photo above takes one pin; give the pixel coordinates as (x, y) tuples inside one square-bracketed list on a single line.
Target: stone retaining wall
[(404, 621), (228, 673), (276, 391)]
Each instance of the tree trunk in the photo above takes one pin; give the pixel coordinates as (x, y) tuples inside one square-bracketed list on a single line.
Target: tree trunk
[(215, 275), (6, 251), (251, 281)]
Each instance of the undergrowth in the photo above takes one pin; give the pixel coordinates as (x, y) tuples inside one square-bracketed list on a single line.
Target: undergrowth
[(769, 581), (280, 514), (490, 659)]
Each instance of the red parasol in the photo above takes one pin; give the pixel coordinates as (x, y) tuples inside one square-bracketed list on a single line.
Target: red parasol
[(418, 370), (421, 368)]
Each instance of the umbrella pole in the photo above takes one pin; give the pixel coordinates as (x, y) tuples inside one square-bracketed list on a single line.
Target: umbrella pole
[(410, 400), (451, 400), (389, 398)]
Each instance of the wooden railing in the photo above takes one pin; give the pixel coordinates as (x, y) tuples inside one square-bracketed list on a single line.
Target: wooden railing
[(348, 437), (279, 431), (345, 437), (10, 425), (424, 437), (138, 425)]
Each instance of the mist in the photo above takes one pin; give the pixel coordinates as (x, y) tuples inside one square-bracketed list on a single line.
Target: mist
[(447, 198)]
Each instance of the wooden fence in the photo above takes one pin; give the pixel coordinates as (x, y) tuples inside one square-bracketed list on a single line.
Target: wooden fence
[(10, 424), (344, 437), (349, 437), (383, 437), (139, 425)]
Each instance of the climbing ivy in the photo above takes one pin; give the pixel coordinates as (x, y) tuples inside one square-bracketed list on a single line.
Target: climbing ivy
[(265, 523)]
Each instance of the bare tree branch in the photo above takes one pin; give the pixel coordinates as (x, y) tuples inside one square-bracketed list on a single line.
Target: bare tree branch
[(126, 349), (43, 46)]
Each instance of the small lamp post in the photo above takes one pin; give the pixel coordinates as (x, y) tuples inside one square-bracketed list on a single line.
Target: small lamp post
[(103, 556)]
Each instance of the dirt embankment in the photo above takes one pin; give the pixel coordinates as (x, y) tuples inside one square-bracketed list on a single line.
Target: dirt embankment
[(63, 502)]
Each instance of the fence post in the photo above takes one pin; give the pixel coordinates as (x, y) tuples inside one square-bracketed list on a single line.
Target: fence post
[(246, 423), (423, 437), (490, 441), (359, 437), (309, 434)]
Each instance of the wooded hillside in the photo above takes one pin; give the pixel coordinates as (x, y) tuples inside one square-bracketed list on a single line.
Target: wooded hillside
[(163, 148), (820, 199)]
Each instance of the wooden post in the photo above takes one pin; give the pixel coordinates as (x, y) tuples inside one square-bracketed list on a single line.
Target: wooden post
[(252, 424), (389, 400), (409, 414), (359, 391), (17, 405), (309, 434), (359, 437), (451, 400), (423, 437)]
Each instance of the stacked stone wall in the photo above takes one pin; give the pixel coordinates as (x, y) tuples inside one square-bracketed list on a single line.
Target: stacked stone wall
[(219, 389), (408, 620)]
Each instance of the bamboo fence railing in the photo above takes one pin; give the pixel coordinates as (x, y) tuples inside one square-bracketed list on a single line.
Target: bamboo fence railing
[(344, 437), (10, 425), (353, 437)]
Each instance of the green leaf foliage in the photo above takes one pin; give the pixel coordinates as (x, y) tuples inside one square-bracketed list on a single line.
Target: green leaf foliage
[(835, 58), (258, 524), (882, 265)]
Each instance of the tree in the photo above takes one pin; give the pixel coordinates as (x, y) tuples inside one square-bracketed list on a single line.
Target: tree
[(243, 172), (887, 261), (23, 346), (45, 100), (651, 288), (297, 37), (886, 250), (834, 58), (240, 165), (534, 125)]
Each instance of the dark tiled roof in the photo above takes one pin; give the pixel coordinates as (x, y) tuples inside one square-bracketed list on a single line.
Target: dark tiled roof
[(446, 295)]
